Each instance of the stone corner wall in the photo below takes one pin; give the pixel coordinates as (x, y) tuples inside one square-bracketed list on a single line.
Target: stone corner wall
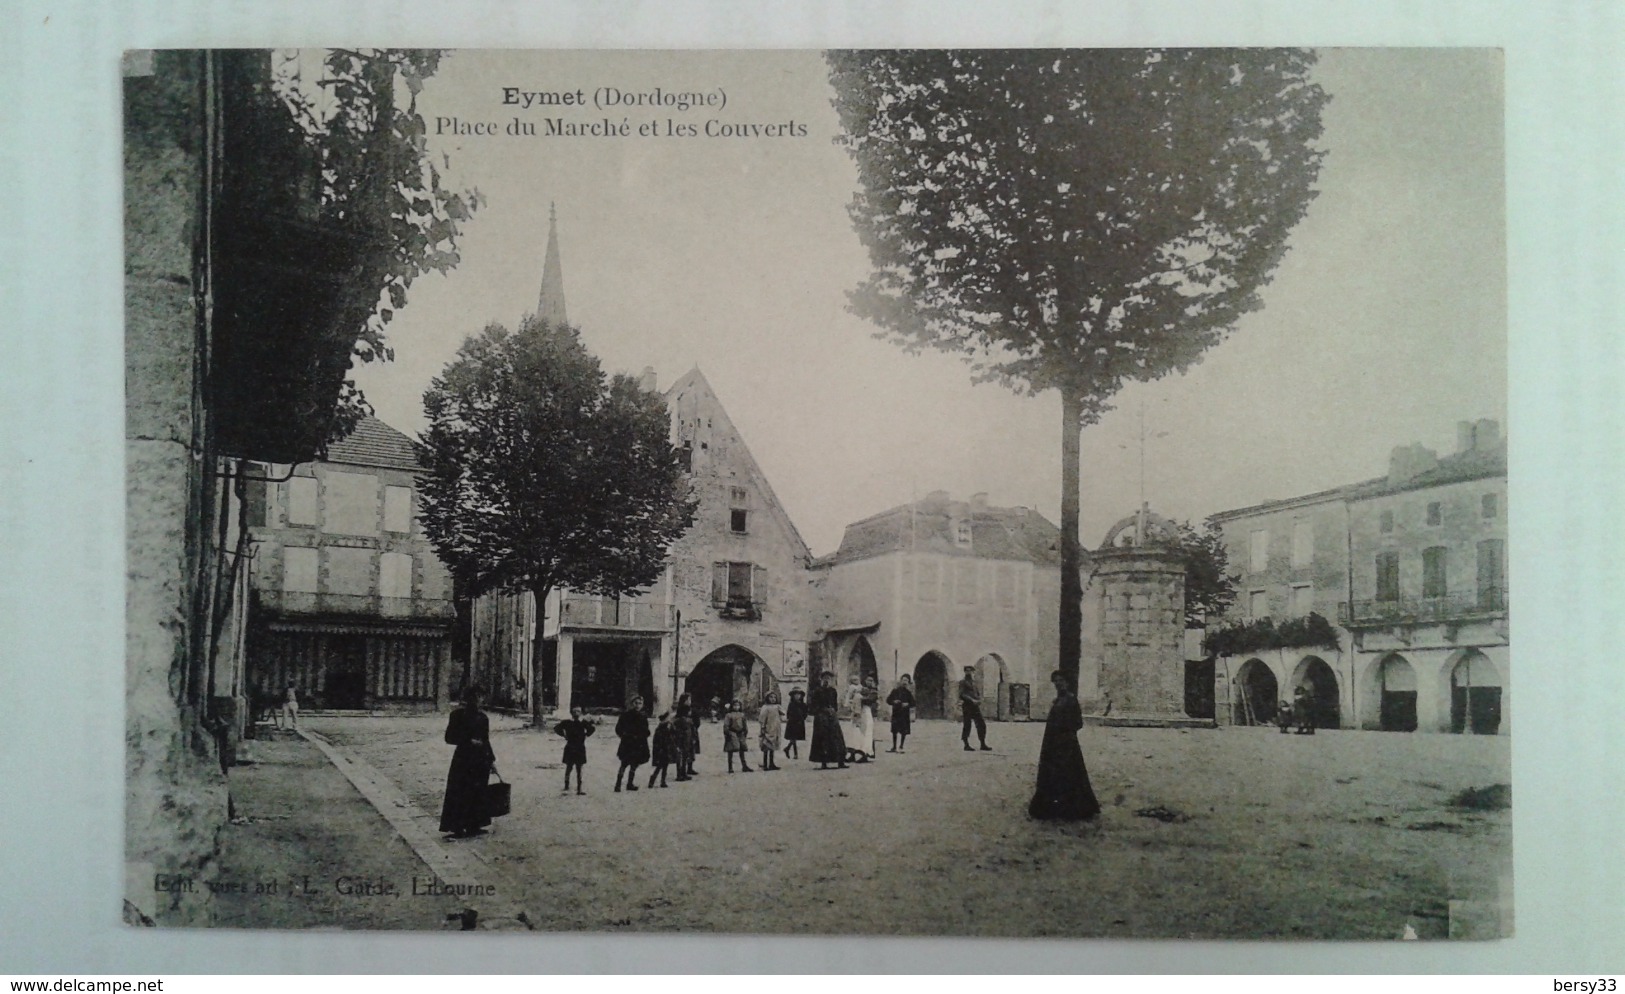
[(176, 801)]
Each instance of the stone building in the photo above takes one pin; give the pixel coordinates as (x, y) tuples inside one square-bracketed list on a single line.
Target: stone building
[(933, 586), (731, 616), (1410, 566), (350, 603)]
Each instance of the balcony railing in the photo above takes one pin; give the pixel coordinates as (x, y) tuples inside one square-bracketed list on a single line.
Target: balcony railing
[(739, 608), (583, 611), (1488, 603), (287, 603)]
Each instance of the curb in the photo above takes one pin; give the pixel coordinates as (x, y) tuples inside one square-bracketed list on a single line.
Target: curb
[(454, 868)]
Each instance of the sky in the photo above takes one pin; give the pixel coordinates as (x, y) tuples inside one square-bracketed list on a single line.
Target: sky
[(1385, 323)]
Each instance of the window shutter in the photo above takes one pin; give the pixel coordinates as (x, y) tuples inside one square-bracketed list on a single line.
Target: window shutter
[(719, 583), (758, 584)]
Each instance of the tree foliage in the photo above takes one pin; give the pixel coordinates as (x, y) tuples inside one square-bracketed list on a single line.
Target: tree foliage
[(377, 181), (1210, 588), (1073, 220), (1243, 637), (542, 473)]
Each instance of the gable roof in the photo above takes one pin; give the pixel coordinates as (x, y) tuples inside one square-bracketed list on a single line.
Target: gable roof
[(695, 381), (374, 443)]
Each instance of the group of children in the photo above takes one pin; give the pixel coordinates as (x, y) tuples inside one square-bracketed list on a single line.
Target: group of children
[(1300, 710), (675, 740)]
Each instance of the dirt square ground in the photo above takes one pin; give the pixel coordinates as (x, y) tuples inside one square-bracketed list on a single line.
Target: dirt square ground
[(1227, 833)]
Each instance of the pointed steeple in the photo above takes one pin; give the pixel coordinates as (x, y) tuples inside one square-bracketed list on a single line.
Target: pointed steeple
[(550, 306)]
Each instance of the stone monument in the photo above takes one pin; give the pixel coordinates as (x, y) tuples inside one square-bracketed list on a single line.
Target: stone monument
[(1139, 578)]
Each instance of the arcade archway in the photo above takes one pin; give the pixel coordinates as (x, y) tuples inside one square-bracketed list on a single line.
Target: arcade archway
[(861, 661), (1396, 688), (731, 673), (993, 677), (1318, 678), (1475, 695), (931, 686), (1258, 694)]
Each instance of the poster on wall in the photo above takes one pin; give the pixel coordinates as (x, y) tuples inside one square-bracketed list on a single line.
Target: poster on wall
[(795, 660), (709, 352)]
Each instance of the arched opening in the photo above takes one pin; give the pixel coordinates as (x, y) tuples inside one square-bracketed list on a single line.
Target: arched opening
[(931, 686), (1396, 683), (992, 677), (862, 661), (1258, 694), (1317, 677), (731, 673), (1475, 695)]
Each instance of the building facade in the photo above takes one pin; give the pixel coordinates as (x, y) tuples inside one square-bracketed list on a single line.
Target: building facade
[(933, 586), (350, 603), (1409, 569)]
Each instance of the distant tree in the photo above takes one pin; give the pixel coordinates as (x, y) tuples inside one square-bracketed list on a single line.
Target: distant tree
[(1070, 220), (1210, 588), (542, 474)]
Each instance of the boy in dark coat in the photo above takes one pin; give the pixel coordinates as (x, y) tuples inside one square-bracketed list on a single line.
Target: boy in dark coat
[(682, 732), (575, 732), (633, 730), (665, 750)]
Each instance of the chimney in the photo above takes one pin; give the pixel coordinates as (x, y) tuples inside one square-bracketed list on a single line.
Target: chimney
[(1407, 462), (1399, 465), (1486, 434), (646, 381), (1464, 436)]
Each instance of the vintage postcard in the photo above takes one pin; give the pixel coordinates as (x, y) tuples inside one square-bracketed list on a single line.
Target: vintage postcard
[(1022, 493)]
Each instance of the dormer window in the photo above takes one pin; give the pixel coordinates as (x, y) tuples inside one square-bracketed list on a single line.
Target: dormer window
[(962, 533)]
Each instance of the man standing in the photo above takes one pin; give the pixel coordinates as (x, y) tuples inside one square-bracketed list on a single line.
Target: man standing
[(970, 708)]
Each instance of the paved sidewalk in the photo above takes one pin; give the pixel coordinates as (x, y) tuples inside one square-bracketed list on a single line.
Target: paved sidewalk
[(320, 840)]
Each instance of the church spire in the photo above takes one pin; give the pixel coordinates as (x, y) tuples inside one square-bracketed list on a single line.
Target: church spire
[(550, 306)]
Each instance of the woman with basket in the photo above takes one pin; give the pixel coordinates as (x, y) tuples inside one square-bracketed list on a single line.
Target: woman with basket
[(465, 812)]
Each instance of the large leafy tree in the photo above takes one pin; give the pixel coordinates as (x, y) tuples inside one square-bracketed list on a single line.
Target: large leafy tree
[(1071, 220), (1210, 587), (543, 473)]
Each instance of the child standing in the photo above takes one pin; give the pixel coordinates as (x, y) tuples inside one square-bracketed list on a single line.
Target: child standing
[(290, 707), (665, 751), (769, 722), (575, 732), (632, 728), (734, 733), (795, 723), (682, 730)]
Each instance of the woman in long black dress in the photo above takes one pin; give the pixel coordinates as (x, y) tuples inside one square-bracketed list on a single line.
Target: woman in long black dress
[(828, 744), (1063, 791), (901, 700), (464, 813)]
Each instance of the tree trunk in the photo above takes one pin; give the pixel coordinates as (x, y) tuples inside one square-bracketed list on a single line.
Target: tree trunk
[(1071, 635), (537, 653)]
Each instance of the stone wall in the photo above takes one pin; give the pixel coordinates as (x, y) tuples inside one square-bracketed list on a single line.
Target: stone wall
[(176, 804)]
